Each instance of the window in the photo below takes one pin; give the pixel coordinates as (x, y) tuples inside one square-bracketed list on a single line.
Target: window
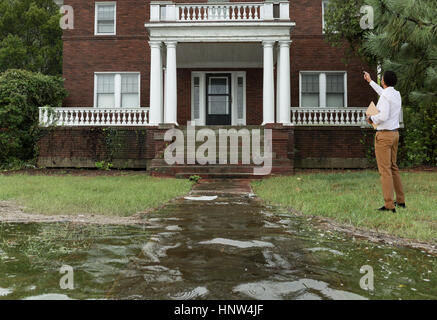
[(310, 90), (105, 14), (325, 4), (115, 90), (105, 91), (335, 90), (129, 91), (323, 89)]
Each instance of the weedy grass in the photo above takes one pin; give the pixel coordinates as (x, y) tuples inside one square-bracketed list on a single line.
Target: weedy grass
[(103, 195), (353, 197)]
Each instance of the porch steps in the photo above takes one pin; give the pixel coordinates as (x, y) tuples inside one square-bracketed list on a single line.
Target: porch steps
[(159, 167)]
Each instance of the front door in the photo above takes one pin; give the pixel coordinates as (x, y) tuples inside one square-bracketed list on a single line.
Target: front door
[(218, 99)]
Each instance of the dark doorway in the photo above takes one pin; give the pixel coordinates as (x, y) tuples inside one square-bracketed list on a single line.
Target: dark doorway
[(218, 99)]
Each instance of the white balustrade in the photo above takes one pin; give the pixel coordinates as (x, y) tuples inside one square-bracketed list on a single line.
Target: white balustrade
[(94, 116), (352, 117), (219, 11)]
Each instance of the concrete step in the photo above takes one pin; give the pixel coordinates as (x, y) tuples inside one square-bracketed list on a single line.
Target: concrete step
[(283, 167), (162, 163), (229, 175)]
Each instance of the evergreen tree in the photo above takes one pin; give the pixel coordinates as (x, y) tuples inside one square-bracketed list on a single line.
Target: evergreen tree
[(404, 39), (30, 36)]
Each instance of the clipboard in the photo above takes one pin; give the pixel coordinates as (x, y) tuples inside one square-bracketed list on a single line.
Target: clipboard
[(371, 111)]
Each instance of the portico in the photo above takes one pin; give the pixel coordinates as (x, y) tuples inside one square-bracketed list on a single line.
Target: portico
[(237, 36)]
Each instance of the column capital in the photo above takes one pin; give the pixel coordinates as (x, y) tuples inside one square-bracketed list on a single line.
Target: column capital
[(155, 44), (284, 43), (171, 44), (268, 43)]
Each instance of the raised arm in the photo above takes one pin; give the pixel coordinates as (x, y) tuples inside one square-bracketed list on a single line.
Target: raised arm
[(376, 87)]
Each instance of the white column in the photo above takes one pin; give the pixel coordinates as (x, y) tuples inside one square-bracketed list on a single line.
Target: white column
[(284, 83), (278, 80), (156, 115), (170, 114), (268, 84), (322, 89)]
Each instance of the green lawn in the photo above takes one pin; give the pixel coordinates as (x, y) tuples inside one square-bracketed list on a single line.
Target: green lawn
[(105, 195), (352, 197)]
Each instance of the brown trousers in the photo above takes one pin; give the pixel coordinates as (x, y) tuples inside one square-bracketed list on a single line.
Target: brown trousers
[(386, 149)]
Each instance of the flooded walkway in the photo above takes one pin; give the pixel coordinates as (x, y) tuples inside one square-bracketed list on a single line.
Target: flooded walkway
[(227, 245)]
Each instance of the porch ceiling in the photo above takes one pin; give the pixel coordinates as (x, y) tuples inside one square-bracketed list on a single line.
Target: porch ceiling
[(220, 32), (220, 55)]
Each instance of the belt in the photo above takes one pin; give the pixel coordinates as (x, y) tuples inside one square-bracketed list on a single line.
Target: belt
[(394, 130)]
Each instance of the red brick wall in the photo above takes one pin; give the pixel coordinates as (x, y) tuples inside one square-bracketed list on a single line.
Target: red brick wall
[(134, 147), (311, 52), (85, 53), (332, 142), (126, 147), (315, 54)]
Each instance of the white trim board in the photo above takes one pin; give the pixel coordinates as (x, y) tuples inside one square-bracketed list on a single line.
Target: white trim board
[(220, 32)]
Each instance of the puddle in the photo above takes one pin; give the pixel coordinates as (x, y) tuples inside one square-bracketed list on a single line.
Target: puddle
[(201, 198), (239, 249)]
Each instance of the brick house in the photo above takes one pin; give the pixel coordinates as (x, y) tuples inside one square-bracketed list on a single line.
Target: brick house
[(135, 65)]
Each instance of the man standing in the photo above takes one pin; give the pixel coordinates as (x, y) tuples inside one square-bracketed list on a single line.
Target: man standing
[(387, 139)]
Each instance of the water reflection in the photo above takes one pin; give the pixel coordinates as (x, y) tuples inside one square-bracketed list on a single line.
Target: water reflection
[(193, 249)]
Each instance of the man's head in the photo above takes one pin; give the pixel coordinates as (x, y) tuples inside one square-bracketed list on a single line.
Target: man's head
[(389, 79)]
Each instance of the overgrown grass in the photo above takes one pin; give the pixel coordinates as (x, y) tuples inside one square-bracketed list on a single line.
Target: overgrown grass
[(105, 195), (352, 198)]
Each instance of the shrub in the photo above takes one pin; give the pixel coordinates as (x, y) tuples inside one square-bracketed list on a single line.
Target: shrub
[(21, 93), (419, 136)]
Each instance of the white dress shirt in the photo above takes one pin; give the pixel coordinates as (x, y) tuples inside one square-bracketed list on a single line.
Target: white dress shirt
[(389, 106)]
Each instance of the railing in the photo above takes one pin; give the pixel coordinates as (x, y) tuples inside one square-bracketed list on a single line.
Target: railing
[(226, 12), (219, 11), (328, 116), (94, 116), (140, 117)]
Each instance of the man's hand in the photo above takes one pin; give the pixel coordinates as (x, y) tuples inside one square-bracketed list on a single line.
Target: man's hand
[(367, 77), (369, 121)]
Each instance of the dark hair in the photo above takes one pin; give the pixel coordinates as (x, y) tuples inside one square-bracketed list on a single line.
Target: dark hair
[(390, 78)]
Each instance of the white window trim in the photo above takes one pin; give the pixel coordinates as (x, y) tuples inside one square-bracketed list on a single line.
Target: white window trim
[(117, 87), (202, 96), (323, 15), (96, 33), (322, 86)]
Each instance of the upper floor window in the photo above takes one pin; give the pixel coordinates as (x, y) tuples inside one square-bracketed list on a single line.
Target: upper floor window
[(105, 23), (325, 4), (323, 89)]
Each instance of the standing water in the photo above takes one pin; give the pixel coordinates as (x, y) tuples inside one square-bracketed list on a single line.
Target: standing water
[(225, 247)]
